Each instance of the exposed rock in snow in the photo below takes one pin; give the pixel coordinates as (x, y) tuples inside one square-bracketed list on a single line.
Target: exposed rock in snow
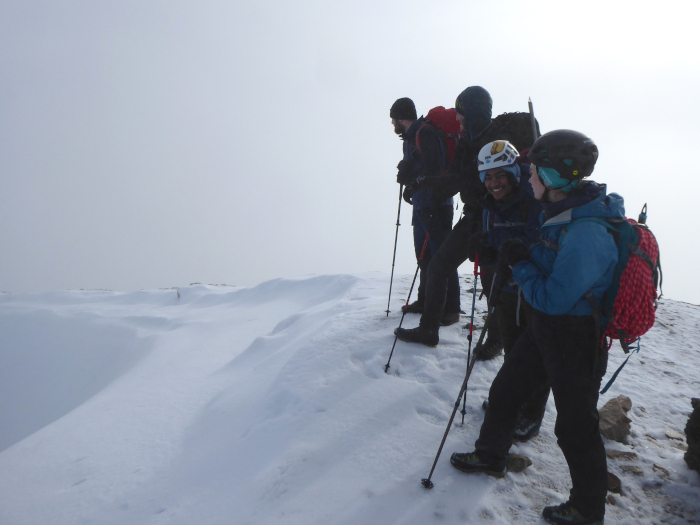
[(614, 423)]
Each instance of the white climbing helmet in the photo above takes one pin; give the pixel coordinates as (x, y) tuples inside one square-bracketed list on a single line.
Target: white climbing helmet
[(496, 154)]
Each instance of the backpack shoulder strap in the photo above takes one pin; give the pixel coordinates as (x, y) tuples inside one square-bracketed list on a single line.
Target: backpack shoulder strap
[(525, 210), (557, 245), (441, 140), (425, 123)]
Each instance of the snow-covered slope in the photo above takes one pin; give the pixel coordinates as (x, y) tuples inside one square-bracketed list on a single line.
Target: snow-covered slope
[(222, 405)]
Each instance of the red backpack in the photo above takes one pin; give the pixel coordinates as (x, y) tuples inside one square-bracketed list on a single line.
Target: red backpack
[(628, 307), (447, 126)]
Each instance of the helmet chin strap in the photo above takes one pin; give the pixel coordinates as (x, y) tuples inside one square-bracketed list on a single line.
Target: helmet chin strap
[(547, 189), (545, 195), (566, 189)]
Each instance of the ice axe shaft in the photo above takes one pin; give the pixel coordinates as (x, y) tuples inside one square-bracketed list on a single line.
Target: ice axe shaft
[(535, 135)]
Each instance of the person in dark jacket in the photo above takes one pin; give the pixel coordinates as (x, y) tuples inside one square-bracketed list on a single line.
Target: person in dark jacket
[(510, 212), (424, 157), (563, 278), (473, 106)]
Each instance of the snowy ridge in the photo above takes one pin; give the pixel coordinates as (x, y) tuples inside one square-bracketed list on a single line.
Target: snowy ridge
[(219, 405)]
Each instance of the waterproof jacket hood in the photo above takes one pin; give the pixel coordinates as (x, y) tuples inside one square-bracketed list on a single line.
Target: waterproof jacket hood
[(475, 105)]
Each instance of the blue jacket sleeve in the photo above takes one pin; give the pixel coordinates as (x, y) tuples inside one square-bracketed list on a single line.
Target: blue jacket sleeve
[(585, 262)]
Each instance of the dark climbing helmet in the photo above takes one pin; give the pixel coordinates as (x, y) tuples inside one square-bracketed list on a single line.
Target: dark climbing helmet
[(572, 154)]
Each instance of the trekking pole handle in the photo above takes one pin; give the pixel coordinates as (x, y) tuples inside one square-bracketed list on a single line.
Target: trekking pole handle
[(643, 215)]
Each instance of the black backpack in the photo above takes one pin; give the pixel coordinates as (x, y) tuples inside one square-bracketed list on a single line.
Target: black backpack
[(516, 127)]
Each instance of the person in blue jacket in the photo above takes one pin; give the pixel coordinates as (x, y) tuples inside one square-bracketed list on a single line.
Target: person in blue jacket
[(563, 277), (425, 157)]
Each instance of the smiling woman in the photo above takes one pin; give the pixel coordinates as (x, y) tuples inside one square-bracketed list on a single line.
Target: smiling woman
[(510, 212), (498, 183), (497, 168)]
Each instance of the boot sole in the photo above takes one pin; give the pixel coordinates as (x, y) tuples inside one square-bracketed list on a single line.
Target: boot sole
[(418, 343), (491, 473), (469, 470)]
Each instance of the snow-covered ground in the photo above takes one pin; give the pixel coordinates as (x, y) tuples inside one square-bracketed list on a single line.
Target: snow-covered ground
[(223, 405)]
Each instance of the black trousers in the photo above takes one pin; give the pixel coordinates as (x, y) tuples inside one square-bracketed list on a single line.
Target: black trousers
[(562, 351), (512, 323), (451, 254), (437, 221)]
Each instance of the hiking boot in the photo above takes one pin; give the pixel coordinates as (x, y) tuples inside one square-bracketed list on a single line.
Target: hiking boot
[(414, 308), (418, 335), (489, 350), (567, 515), (470, 462), (449, 318), (526, 429)]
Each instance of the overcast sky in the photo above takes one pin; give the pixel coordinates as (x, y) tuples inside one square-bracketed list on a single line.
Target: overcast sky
[(148, 144)]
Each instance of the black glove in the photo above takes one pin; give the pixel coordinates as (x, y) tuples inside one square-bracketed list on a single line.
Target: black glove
[(479, 243), (405, 174), (408, 194), (511, 253)]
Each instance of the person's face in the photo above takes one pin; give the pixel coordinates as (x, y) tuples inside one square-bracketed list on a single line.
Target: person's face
[(498, 183), (536, 183), (398, 126), (462, 123)]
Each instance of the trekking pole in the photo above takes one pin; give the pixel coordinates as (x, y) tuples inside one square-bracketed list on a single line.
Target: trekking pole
[(393, 260), (492, 302), (532, 120), (426, 481), (471, 327), (420, 259)]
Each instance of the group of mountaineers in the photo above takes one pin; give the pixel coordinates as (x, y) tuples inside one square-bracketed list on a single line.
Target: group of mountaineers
[(536, 226)]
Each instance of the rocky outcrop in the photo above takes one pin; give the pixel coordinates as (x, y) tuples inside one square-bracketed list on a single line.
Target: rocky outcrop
[(614, 423), (614, 483), (517, 463)]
